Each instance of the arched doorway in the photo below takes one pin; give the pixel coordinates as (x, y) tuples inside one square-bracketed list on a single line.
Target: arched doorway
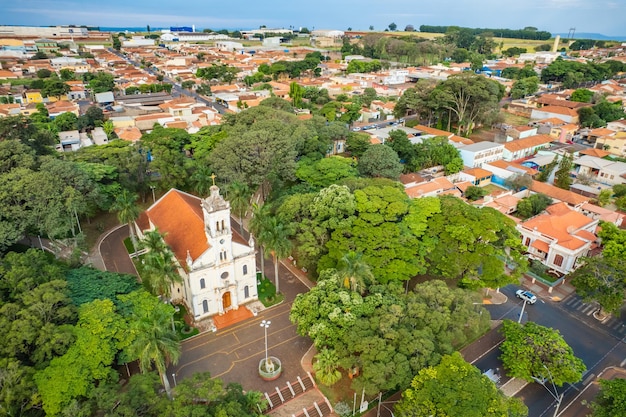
[(246, 292), (205, 306), (226, 300)]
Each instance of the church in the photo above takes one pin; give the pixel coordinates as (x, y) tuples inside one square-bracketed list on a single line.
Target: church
[(217, 265)]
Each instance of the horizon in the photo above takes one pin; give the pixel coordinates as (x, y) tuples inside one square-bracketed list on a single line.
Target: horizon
[(554, 16)]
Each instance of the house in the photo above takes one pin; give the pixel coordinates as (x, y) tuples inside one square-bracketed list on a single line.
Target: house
[(555, 193), (69, 141), (476, 154), (476, 176), (435, 187), (520, 132), (32, 96), (216, 264), (600, 213), (131, 133), (522, 148), (604, 171), (503, 170), (566, 114), (559, 237), (614, 143)]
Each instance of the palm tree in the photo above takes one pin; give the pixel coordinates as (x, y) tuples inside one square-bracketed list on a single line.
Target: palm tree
[(260, 215), (326, 367), (239, 197), (159, 265), (155, 344), (201, 180), (276, 240), (354, 272), (127, 211)]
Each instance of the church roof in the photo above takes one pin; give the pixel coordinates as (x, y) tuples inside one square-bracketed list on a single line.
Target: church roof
[(179, 217)]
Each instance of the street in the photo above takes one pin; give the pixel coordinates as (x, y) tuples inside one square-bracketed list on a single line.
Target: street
[(598, 346)]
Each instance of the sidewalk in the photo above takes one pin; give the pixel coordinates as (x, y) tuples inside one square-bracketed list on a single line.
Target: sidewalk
[(577, 408), (557, 293)]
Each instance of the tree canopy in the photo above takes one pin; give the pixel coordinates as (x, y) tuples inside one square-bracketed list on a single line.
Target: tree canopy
[(531, 351), (456, 388)]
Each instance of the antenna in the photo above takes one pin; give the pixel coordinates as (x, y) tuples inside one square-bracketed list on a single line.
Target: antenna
[(571, 33)]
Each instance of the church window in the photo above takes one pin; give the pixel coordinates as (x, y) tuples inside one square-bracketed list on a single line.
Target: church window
[(202, 283), (205, 306), (245, 269), (224, 275), (223, 254), (223, 227), (217, 225), (246, 292)]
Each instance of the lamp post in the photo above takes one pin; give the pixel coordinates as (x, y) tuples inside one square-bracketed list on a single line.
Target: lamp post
[(554, 394), (519, 320), (265, 324), (152, 187), (174, 377)]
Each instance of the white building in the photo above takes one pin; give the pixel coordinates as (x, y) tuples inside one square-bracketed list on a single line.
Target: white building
[(476, 154), (136, 41), (559, 237), (217, 265), (601, 170)]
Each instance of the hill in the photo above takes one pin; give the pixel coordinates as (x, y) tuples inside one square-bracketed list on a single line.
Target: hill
[(595, 36)]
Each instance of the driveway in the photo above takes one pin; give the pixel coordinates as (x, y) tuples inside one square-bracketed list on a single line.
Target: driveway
[(114, 254)]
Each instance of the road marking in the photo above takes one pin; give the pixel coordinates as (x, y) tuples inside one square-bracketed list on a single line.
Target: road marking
[(588, 313), (587, 307), (571, 301), (616, 325)]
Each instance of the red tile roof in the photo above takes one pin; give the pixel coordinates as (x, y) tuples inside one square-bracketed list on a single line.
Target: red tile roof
[(178, 216)]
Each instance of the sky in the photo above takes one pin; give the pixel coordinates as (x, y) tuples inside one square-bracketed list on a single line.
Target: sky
[(607, 17)]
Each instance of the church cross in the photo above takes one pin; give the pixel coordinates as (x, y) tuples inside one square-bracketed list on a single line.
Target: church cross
[(213, 176)]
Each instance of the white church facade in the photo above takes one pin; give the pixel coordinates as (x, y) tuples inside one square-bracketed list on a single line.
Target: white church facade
[(217, 265)]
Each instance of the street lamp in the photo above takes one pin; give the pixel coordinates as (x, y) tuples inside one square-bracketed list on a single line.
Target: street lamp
[(265, 324), (174, 377), (554, 394), (152, 187), (519, 320)]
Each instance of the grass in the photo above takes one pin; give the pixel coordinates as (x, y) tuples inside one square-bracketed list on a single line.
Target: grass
[(492, 188), (182, 329), (514, 120), (267, 293)]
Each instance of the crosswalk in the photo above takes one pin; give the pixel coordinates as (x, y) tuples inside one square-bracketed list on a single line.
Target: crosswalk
[(616, 324)]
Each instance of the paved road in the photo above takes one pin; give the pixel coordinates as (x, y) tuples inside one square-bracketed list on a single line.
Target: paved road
[(114, 252), (597, 345)]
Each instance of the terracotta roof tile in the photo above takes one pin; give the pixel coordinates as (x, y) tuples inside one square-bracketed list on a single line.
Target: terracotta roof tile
[(529, 142), (179, 217), (556, 193)]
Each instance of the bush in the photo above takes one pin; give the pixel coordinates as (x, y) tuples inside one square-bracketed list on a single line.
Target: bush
[(343, 409)]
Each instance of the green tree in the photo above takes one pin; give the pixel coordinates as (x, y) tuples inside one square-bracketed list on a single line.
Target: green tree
[(127, 211), (155, 343), (87, 284), (582, 95), (474, 193), (611, 401), (258, 225), (525, 87), (67, 74), (357, 144), (54, 88), (562, 177), (101, 82), (275, 239), (369, 95), (160, 266), (239, 198), (355, 274), (456, 388), (471, 98), (380, 161), (547, 170), (619, 190), (533, 205), (326, 171), (531, 351), (296, 93), (518, 182), (43, 73), (325, 367), (602, 279), (66, 121), (472, 245)]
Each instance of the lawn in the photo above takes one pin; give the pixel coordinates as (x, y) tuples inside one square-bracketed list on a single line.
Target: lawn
[(267, 292)]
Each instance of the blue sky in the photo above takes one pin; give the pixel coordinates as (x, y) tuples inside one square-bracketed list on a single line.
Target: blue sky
[(599, 16)]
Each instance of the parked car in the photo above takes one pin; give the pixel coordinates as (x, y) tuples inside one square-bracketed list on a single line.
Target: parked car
[(526, 296)]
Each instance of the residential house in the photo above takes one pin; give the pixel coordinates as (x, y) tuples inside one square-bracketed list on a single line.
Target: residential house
[(479, 153), (59, 107), (216, 264), (432, 188), (505, 203), (520, 132), (559, 237), (130, 134), (526, 147), (617, 125), (69, 141), (614, 143), (602, 214), (476, 176), (32, 96), (558, 194), (503, 170), (563, 113), (604, 171)]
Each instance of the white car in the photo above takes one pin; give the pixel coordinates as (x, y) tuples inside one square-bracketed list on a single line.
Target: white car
[(526, 296)]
